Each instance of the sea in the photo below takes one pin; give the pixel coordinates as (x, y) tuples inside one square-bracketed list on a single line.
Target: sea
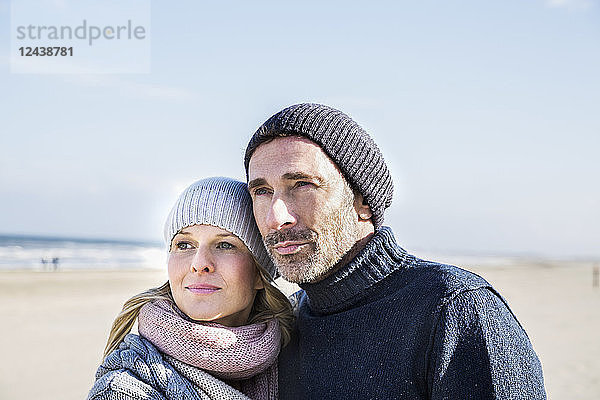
[(38, 253)]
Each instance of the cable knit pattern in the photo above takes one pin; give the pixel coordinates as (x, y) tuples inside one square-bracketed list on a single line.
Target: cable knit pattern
[(138, 371), (247, 353), (205, 384)]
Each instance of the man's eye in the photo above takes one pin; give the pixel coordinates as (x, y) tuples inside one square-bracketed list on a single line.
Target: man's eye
[(225, 246), (302, 183)]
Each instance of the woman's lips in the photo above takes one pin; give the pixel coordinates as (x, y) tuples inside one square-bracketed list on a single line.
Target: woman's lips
[(286, 248), (202, 288)]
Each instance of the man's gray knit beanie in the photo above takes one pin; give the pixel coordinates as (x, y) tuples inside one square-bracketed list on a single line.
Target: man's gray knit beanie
[(224, 203), (347, 144)]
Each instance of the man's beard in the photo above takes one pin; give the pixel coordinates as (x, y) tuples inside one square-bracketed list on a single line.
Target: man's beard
[(327, 244)]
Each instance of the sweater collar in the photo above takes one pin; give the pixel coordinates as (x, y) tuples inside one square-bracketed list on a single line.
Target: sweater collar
[(379, 258)]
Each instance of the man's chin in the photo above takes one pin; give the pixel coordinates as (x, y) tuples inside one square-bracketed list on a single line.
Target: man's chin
[(298, 272), (291, 276), (292, 270), (301, 267)]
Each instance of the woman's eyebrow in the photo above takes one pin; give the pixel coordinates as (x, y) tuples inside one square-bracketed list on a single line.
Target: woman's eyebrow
[(218, 234), (226, 235)]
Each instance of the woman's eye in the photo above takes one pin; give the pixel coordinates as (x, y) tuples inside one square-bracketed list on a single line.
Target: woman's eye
[(260, 191), (225, 246), (183, 246)]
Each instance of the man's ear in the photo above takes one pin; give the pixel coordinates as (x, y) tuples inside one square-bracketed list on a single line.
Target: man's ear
[(361, 207)]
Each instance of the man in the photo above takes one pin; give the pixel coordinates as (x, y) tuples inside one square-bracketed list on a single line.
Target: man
[(373, 321)]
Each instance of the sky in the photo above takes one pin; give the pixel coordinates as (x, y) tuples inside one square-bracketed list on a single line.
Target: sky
[(486, 112)]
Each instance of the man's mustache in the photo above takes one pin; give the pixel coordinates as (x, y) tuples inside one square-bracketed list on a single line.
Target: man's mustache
[(290, 235)]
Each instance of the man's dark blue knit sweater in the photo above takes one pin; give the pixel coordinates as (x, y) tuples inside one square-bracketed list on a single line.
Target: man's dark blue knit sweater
[(391, 326)]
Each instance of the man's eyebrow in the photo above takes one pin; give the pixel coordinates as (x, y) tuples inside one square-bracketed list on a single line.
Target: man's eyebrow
[(297, 176), (256, 182), (292, 176)]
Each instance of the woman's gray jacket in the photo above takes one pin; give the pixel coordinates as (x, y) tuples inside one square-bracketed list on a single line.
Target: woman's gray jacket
[(138, 371)]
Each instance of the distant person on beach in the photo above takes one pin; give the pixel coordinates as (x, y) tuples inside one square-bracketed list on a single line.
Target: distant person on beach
[(373, 322), (215, 329)]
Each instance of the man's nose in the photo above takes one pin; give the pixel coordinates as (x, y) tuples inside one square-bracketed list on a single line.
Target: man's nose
[(279, 216)]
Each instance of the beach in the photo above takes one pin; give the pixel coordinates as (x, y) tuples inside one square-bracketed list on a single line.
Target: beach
[(55, 324)]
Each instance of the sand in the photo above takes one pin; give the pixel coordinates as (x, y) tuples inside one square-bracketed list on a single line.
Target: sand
[(54, 325)]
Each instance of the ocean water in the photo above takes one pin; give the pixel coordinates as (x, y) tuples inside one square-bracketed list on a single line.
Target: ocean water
[(46, 253)]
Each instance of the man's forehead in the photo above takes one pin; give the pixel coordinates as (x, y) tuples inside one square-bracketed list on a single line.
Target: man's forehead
[(288, 149), (289, 154), (292, 143)]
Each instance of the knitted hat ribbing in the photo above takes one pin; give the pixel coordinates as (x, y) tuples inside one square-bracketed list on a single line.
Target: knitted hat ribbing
[(343, 140), (224, 203)]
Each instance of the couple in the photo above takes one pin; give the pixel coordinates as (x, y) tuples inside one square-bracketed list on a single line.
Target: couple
[(372, 322)]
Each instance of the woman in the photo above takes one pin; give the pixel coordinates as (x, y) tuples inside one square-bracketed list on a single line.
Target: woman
[(214, 330)]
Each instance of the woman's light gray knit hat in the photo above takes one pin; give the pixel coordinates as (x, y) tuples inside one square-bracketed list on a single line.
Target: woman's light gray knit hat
[(343, 140), (224, 203)]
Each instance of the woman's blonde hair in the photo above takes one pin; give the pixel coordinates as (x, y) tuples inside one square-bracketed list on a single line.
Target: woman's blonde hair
[(269, 303)]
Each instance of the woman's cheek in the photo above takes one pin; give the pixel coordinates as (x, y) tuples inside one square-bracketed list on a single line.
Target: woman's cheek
[(175, 266)]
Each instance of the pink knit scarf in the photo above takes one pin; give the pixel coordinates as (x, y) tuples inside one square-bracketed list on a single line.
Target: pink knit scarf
[(246, 354)]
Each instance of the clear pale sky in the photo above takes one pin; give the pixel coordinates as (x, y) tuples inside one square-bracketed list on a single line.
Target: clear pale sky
[(488, 113)]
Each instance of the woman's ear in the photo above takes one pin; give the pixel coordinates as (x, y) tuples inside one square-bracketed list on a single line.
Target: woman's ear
[(361, 207), (258, 281)]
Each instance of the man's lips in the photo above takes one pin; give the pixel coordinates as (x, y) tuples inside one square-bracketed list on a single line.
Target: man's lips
[(202, 288), (289, 247)]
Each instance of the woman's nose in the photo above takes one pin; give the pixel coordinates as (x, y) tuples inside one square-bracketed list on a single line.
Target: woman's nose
[(202, 262)]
